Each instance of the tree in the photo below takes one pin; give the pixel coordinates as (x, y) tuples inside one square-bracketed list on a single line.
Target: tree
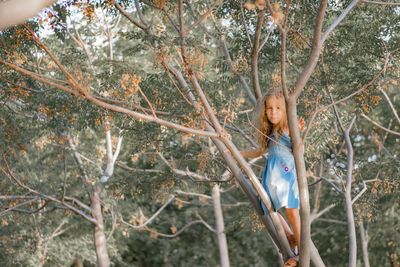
[(186, 64)]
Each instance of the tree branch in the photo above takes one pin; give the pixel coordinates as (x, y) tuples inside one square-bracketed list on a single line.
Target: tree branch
[(322, 212), (193, 194), (19, 205), (380, 3), (9, 174), (390, 104), (314, 54), (245, 24), (201, 18), (182, 229), (378, 125), (338, 20), (241, 79), (151, 218), (254, 55)]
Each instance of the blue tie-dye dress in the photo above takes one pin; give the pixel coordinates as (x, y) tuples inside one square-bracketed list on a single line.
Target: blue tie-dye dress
[(279, 177)]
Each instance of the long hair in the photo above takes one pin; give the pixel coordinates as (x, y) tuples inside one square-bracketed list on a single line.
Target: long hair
[(265, 128)]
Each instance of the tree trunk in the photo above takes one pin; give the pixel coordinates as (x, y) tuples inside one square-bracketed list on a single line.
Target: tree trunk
[(351, 230), (100, 240), (364, 243), (298, 153), (349, 204), (223, 247)]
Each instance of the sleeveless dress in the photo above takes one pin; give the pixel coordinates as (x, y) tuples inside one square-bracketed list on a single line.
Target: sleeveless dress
[(279, 178)]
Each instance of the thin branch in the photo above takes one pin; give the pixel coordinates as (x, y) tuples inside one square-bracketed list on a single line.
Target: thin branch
[(386, 133), (314, 54), (322, 212), (80, 164), (310, 121), (196, 18), (114, 224), (26, 88), (120, 164), (18, 205), (18, 197), (237, 204), (152, 217), (18, 112), (365, 187), (236, 129), (37, 77), (193, 194), (204, 222), (180, 92), (181, 230), (201, 18), (390, 104), (181, 172), (243, 82), (170, 19), (129, 17), (254, 55), (337, 114), (9, 174), (60, 232), (329, 182), (70, 78), (78, 203), (380, 3), (283, 53), (380, 126), (332, 221), (139, 11), (271, 28), (338, 20), (245, 24)]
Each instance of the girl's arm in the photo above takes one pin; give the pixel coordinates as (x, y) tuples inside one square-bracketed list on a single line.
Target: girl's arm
[(253, 153)]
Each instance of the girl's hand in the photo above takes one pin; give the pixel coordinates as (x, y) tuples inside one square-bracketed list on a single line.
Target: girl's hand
[(301, 124)]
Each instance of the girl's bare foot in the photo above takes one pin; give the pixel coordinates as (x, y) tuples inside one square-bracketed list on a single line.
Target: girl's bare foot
[(292, 262)]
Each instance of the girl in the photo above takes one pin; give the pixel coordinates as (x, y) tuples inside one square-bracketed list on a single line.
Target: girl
[(279, 177)]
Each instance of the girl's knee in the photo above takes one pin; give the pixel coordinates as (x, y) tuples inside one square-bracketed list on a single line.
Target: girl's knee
[(292, 212)]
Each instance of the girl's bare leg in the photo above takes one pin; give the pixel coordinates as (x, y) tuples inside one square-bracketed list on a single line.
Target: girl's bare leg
[(294, 220), (289, 233)]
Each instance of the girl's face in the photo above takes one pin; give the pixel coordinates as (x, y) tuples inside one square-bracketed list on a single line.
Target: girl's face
[(275, 109)]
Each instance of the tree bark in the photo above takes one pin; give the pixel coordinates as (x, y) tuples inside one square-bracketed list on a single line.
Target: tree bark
[(298, 153), (223, 246), (364, 243), (347, 195), (100, 239)]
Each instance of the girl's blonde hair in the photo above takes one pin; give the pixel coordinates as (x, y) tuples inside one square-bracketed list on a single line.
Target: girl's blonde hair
[(265, 128)]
